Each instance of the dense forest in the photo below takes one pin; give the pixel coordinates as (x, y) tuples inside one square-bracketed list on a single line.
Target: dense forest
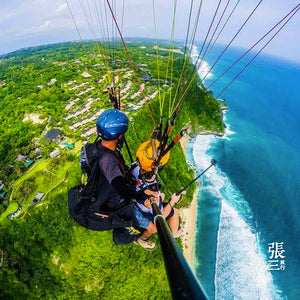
[(50, 98)]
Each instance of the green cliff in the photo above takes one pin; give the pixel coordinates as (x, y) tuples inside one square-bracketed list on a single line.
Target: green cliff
[(58, 90)]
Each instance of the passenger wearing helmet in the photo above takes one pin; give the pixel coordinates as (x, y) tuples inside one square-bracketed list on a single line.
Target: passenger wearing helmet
[(142, 172), (113, 193)]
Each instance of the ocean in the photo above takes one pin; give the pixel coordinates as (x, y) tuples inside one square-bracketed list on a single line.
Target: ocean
[(248, 225)]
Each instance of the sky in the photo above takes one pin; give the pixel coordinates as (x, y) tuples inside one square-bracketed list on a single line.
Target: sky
[(25, 23)]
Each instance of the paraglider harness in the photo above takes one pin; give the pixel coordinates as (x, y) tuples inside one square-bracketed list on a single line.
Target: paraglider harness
[(85, 205), (111, 91)]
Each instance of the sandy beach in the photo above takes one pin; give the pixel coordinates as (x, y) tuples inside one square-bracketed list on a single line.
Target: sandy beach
[(188, 216)]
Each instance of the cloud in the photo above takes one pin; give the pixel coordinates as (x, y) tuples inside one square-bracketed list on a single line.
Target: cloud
[(41, 28), (61, 8), (6, 15), (29, 20)]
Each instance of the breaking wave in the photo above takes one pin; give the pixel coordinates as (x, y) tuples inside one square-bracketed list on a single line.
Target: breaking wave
[(204, 68), (241, 268)]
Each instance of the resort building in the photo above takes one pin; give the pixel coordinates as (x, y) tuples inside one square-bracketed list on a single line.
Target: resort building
[(86, 75), (16, 213), (52, 81), (52, 135), (37, 198), (54, 153)]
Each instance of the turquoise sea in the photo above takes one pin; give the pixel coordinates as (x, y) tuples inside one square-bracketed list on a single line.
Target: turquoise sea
[(250, 203)]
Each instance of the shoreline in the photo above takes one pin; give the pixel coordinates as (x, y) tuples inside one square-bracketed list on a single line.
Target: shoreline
[(189, 214), (188, 225)]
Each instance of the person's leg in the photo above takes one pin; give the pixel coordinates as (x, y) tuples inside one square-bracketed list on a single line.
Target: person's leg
[(151, 229), (174, 223), (144, 239)]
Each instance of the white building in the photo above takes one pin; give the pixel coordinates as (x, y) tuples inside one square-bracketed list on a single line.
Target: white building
[(21, 157), (52, 81), (86, 75), (38, 197), (54, 153)]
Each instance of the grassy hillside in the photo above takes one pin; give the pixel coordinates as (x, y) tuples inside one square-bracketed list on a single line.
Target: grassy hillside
[(44, 253)]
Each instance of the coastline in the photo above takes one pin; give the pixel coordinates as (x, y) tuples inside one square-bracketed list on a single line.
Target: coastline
[(188, 225), (188, 215)]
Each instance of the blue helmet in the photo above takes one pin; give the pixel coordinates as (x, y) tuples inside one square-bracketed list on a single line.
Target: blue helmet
[(111, 124)]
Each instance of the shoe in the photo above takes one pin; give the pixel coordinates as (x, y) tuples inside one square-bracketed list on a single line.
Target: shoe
[(178, 234), (146, 244)]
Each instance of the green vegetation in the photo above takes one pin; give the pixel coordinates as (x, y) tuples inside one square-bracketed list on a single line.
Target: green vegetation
[(46, 255), (10, 209)]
